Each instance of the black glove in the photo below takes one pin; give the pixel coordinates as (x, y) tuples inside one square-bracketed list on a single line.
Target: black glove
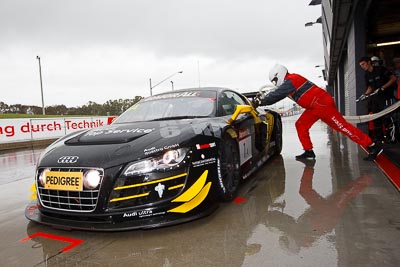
[(257, 100)]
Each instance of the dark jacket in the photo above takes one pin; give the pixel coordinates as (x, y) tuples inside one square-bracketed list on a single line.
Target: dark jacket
[(298, 88)]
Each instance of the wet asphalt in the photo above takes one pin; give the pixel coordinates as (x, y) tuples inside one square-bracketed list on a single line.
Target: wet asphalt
[(336, 211)]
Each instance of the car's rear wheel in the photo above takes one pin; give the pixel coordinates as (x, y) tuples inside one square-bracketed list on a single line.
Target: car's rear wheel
[(229, 169)]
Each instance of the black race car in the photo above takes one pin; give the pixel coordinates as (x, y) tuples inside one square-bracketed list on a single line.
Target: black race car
[(168, 159)]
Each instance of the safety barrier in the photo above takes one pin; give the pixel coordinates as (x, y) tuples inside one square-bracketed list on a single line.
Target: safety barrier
[(16, 133)]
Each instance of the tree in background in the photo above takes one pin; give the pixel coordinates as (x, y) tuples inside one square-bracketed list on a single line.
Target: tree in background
[(3, 107), (111, 107)]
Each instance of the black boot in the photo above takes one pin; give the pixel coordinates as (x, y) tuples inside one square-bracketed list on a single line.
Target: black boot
[(308, 154), (374, 150)]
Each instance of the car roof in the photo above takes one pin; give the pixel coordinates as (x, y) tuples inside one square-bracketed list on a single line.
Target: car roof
[(218, 90)]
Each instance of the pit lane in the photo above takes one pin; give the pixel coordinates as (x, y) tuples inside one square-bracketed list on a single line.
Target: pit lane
[(340, 211)]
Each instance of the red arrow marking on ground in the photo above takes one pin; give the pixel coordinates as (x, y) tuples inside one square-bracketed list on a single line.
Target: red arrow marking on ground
[(75, 242), (239, 200)]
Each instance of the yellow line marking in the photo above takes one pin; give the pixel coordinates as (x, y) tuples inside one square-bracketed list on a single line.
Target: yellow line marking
[(151, 182), (130, 197), (176, 186)]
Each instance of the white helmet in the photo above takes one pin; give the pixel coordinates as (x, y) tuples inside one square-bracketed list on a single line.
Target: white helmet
[(374, 58), (277, 74), (375, 61)]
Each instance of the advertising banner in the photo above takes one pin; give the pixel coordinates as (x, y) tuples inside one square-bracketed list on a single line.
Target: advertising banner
[(19, 130)]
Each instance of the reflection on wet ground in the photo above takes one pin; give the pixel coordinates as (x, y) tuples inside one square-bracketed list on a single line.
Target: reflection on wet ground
[(17, 165), (336, 211)]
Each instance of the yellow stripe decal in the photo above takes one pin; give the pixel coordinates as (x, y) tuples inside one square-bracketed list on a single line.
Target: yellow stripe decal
[(130, 197), (188, 206), (232, 133), (176, 186), (193, 190), (151, 182)]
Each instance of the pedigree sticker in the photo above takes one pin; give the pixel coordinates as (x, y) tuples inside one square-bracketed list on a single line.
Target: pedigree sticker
[(18, 130), (68, 181)]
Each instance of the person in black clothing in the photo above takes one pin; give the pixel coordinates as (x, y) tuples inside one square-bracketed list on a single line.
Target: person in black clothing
[(380, 82)]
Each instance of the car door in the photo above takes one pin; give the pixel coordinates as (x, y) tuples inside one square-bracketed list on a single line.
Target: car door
[(244, 125)]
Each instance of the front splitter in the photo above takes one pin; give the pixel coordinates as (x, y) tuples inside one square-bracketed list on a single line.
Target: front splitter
[(33, 213)]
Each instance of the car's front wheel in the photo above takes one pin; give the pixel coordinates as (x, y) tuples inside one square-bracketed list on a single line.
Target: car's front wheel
[(228, 169)]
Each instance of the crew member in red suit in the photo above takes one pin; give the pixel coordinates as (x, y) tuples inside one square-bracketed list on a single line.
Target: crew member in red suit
[(318, 104)]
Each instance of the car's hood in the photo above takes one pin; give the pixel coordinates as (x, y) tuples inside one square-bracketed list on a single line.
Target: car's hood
[(114, 134), (119, 143)]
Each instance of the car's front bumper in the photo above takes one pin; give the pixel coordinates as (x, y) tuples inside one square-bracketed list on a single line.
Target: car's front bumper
[(152, 218)]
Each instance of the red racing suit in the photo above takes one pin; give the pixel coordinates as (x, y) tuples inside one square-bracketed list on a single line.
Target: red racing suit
[(318, 104)]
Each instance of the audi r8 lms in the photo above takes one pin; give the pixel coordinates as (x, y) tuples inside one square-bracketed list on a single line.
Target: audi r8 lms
[(168, 159)]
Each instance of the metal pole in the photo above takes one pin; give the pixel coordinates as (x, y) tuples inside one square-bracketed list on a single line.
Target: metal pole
[(198, 71), (172, 83), (170, 76), (41, 84), (151, 88)]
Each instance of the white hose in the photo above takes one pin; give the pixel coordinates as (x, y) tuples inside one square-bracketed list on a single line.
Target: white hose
[(366, 118)]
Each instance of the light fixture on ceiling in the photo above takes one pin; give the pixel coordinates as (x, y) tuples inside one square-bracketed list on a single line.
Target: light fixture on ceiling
[(388, 43), (319, 20)]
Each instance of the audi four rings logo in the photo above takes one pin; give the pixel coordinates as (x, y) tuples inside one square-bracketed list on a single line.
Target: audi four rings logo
[(68, 159)]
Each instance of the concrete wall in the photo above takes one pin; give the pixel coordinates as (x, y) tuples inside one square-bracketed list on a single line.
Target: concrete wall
[(326, 10), (349, 82), (356, 48), (354, 84)]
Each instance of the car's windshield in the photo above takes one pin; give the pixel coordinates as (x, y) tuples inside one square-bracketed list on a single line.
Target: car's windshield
[(179, 105)]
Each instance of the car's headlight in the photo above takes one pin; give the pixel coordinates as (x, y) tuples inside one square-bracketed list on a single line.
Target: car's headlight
[(143, 166), (42, 175), (91, 179), (169, 160)]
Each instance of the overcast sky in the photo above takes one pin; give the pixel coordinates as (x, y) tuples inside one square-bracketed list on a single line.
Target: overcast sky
[(96, 50)]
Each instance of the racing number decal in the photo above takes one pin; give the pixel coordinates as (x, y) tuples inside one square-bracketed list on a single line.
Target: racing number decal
[(170, 131), (245, 149)]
